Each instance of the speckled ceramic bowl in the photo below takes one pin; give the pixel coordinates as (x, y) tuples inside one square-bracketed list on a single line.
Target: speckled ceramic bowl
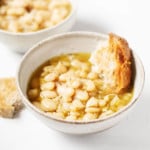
[(21, 42), (66, 43)]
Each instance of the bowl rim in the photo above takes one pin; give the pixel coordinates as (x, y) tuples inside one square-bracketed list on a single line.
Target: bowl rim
[(72, 13), (27, 102)]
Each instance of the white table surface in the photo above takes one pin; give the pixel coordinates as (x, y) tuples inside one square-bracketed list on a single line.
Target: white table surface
[(129, 18)]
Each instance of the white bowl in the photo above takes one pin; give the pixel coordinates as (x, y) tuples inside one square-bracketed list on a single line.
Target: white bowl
[(21, 42), (71, 43)]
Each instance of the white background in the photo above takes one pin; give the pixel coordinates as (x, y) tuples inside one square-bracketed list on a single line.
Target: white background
[(128, 18)]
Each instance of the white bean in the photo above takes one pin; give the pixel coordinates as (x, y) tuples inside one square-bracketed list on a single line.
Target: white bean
[(48, 86), (48, 94), (92, 102), (81, 95), (76, 84), (92, 110), (90, 116), (77, 105), (71, 118), (48, 105), (102, 103), (65, 91), (51, 77)]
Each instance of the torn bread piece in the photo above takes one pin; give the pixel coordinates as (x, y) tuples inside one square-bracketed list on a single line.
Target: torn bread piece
[(113, 63), (10, 101)]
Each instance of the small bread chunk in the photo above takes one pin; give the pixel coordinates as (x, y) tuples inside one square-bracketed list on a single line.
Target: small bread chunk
[(113, 63), (10, 101)]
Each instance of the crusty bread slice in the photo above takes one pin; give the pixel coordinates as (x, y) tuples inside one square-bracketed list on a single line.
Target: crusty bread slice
[(113, 63), (10, 101)]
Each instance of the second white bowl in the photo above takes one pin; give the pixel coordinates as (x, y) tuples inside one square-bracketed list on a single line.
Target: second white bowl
[(21, 42)]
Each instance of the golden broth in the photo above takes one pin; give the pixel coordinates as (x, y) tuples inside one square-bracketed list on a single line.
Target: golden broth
[(66, 87)]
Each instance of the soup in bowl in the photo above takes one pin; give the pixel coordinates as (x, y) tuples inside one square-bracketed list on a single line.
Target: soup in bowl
[(65, 91)]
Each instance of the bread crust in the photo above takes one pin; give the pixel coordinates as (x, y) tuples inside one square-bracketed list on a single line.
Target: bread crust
[(114, 64), (10, 101)]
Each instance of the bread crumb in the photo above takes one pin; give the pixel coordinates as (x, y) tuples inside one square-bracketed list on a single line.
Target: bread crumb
[(10, 100)]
